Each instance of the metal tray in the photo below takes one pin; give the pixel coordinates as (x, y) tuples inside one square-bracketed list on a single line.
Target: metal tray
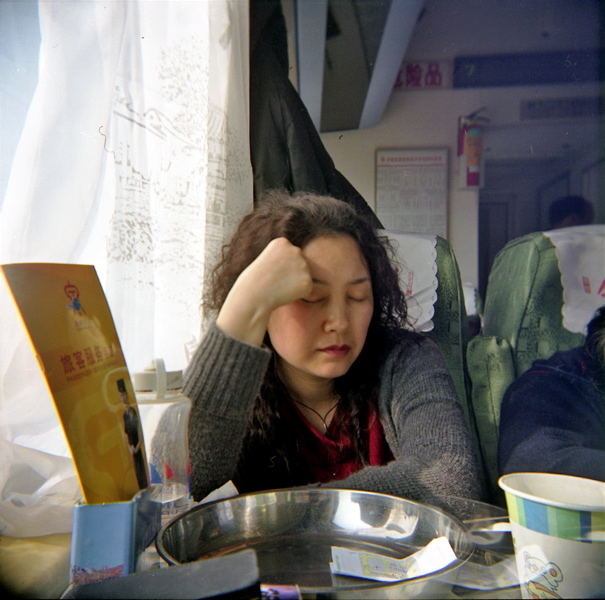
[(294, 530)]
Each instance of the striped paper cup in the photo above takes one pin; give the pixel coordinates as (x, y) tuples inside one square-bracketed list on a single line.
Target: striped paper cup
[(558, 528)]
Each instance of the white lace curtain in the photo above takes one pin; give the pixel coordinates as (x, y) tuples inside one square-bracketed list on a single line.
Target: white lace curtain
[(133, 157)]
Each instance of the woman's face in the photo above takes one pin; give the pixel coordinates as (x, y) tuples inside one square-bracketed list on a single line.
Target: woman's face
[(321, 335)]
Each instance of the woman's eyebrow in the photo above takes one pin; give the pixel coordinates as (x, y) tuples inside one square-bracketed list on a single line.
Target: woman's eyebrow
[(353, 282), (359, 280)]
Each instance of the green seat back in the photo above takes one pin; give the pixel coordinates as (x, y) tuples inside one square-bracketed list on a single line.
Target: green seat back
[(426, 258), (522, 322), (524, 300), (450, 325), (450, 330)]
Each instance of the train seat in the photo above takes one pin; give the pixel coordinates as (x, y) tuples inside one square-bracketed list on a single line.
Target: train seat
[(542, 290), (430, 277)]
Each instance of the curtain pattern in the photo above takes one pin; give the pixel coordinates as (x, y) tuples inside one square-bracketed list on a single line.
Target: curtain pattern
[(134, 157)]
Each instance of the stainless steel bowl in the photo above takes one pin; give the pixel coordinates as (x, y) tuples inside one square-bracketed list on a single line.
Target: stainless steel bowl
[(491, 568), (487, 525), (294, 530)]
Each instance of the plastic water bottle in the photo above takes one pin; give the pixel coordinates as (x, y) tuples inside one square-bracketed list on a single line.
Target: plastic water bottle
[(164, 414)]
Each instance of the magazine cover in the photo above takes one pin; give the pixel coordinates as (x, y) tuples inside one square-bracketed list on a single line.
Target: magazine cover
[(69, 323)]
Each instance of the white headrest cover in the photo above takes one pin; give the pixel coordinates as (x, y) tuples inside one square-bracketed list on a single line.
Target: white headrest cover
[(417, 260), (581, 254)]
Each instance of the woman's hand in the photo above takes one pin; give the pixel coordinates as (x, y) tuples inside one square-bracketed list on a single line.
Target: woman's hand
[(279, 275)]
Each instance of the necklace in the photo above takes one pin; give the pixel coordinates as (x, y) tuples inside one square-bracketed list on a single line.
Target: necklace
[(322, 419)]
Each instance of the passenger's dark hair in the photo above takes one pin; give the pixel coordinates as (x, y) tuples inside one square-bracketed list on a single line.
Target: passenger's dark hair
[(595, 336), (570, 206), (301, 218)]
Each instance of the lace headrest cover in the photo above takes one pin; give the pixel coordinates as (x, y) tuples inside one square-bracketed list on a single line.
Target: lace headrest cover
[(581, 255), (417, 261)]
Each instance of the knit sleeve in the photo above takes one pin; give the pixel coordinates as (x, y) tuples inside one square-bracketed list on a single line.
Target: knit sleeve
[(425, 428), (222, 380)]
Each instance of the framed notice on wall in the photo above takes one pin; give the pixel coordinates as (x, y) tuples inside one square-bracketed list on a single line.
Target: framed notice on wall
[(411, 190)]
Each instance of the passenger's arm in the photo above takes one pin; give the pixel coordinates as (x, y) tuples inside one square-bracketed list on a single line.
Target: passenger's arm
[(279, 275), (222, 381), (426, 430)]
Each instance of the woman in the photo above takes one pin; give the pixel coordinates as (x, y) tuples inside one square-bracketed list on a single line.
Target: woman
[(308, 377)]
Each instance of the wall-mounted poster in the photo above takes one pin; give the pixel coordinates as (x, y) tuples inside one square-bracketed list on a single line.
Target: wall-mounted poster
[(411, 190)]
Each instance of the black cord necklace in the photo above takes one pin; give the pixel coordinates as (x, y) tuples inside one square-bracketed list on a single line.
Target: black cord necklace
[(323, 419)]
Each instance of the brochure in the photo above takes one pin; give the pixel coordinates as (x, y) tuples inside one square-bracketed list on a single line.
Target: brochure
[(69, 323)]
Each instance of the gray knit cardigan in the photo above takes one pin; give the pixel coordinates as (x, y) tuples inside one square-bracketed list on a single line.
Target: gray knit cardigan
[(422, 420)]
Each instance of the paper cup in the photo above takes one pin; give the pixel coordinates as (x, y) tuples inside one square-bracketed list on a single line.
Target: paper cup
[(558, 528)]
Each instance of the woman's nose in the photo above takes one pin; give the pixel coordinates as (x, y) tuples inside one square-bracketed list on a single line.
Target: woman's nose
[(337, 317)]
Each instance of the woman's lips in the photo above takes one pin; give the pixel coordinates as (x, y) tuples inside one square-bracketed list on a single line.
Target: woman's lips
[(336, 351)]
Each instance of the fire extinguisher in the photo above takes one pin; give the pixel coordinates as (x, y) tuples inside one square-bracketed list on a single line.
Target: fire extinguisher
[(470, 148)]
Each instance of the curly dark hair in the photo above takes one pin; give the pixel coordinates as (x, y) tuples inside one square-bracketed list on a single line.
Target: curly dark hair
[(300, 218), (595, 336)]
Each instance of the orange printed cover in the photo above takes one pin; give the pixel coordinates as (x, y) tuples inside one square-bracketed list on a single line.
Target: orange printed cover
[(69, 323)]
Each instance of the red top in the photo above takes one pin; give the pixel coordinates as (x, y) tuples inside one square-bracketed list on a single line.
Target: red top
[(331, 456)]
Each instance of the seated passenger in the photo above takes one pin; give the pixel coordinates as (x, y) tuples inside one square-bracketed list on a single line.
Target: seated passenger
[(308, 377), (569, 211), (552, 417)]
